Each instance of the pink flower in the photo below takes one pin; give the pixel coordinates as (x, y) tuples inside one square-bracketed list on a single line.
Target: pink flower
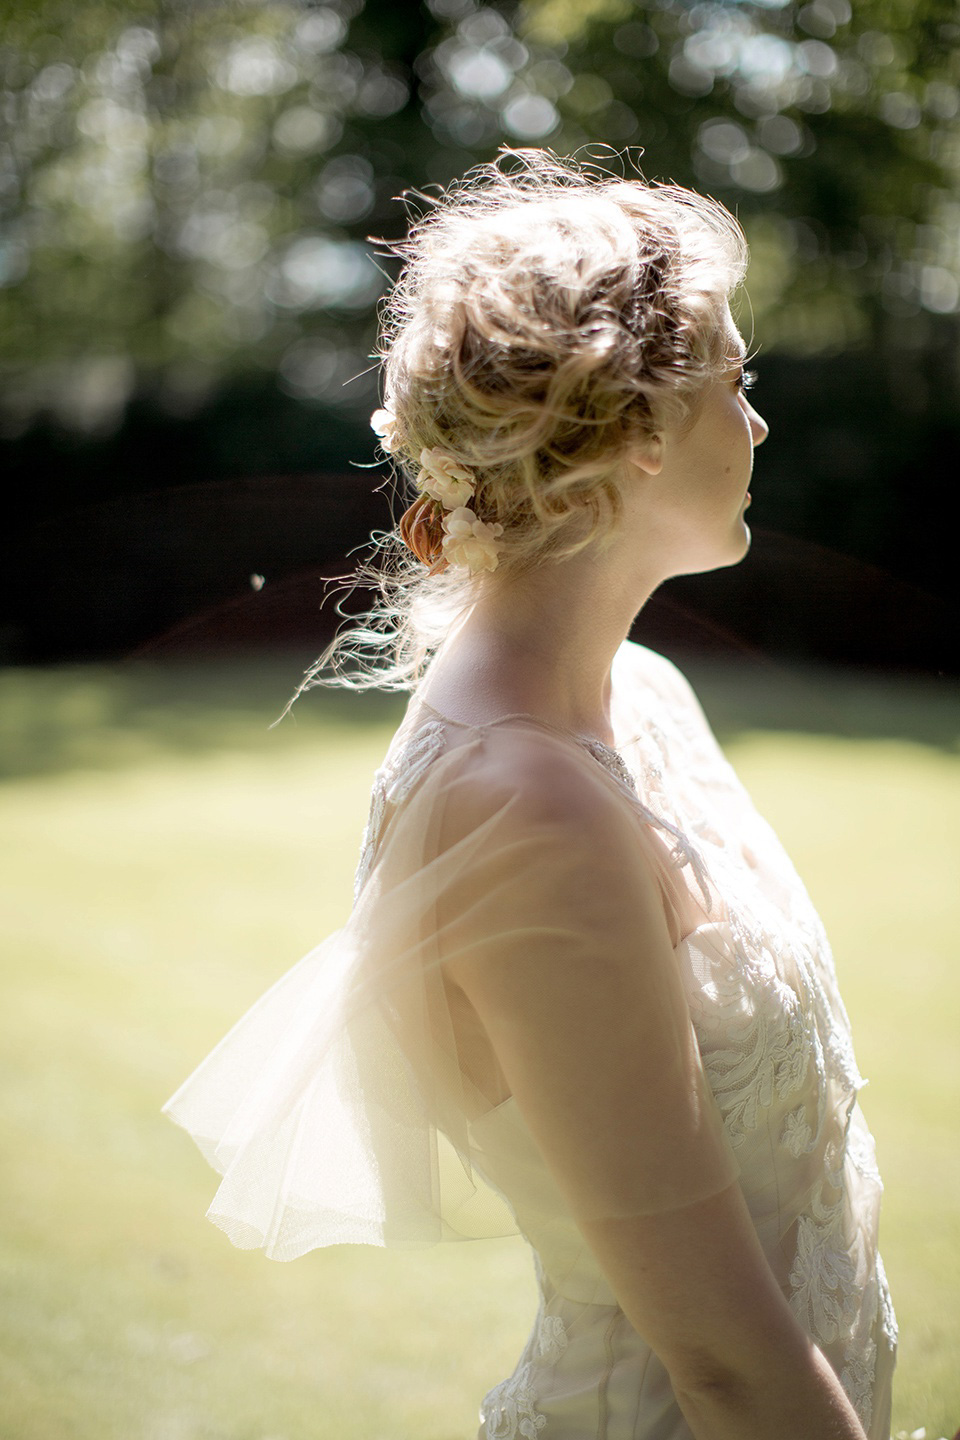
[(444, 479), (469, 543)]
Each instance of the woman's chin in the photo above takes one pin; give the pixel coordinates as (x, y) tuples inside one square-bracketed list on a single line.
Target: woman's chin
[(738, 549), (719, 560)]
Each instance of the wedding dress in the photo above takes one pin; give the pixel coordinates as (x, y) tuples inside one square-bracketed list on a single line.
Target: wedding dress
[(362, 1100)]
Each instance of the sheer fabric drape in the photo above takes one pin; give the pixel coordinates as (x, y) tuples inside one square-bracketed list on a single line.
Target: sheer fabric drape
[(369, 1067)]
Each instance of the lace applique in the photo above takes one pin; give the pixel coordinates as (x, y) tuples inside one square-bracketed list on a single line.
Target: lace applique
[(755, 1042), (378, 805), (861, 1150), (392, 784), (829, 1295), (860, 1371), (888, 1320), (857, 1379), (823, 1280), (683, 853), (765, 1038), (877, 1318), (415, 757), (795, 1134), (510, 1410)]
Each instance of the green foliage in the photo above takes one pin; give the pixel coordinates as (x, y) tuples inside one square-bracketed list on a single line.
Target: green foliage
[(830, 128), (186, 189)]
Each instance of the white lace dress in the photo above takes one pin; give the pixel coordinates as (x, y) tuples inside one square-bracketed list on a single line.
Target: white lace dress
[(347, 1106), (775, 1040)]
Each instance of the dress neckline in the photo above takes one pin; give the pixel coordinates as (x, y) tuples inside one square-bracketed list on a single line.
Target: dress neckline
[(586, 740), (607, 756)]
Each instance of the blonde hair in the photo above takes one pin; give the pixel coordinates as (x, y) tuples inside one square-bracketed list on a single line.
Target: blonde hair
[(548, 315)]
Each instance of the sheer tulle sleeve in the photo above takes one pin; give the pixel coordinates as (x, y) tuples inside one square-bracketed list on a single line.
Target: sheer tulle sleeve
[(511, 941)]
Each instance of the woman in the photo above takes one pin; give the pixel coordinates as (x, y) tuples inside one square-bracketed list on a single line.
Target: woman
[(582, 992)]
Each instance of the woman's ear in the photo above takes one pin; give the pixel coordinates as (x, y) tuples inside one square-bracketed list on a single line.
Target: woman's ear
[(647, 454)]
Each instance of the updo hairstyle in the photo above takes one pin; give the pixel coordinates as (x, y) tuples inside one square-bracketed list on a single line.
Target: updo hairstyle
[(548, 315)]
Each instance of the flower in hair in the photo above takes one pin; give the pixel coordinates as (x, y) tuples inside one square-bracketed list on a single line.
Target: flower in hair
[(384, 425), (444, 479), (470, 543)]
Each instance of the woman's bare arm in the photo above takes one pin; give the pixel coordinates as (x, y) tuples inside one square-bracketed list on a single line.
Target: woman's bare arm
[(696, 1285)]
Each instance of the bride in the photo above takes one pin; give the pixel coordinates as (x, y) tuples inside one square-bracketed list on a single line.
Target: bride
[(582, 993)]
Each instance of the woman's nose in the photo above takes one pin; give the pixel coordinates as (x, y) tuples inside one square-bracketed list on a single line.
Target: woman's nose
[(758, 426)]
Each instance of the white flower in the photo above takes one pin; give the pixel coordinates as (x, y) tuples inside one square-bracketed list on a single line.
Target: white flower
[(384, 425), (469, 542), (451, 491), (795, 1133), (444, 479)]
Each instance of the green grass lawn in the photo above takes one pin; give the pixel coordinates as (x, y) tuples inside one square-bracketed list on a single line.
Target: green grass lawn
[(165, 855)]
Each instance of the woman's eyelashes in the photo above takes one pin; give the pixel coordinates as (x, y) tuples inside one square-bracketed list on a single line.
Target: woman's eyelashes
[(746, 379)]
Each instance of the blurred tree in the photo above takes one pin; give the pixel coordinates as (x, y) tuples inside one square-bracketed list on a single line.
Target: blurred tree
[(831, 128), (188, 295), (186, 190)]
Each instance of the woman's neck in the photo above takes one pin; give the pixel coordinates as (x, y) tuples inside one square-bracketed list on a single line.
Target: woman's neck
[(541, 643)]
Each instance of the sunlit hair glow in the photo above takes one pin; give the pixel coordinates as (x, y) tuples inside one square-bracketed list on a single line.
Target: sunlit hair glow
[(548, 315)]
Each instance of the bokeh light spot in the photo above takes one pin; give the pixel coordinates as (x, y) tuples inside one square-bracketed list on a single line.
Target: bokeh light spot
[(321, 31), (304, 130), (315, 272), (530, 117), (479, 74), (900, 110), (939, 290), (254, 66)]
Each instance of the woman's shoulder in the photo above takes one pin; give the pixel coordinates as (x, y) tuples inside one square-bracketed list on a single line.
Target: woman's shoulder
[(516, 769), (514, 796)]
